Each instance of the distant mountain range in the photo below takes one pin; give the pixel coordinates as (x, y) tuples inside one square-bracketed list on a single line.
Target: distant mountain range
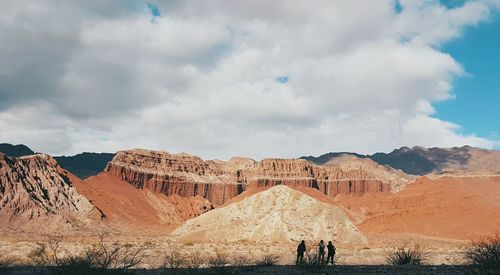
[(143, 191), (422, 161), (85, 165), (415, 161), (15, 150), (82, 165)]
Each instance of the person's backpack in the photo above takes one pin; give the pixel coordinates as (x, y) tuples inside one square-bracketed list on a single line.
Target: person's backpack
[(321, 247)]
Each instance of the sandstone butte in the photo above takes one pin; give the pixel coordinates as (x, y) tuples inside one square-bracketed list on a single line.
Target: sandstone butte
[(219, 181)]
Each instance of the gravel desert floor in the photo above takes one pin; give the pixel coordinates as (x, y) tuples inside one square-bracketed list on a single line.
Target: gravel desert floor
[(296, 270)]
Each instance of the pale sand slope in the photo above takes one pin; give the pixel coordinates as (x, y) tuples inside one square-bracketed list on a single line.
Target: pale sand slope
[(461, 208), (275, 215)]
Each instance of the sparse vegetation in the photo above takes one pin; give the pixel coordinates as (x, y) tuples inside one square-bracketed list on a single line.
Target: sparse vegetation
[(195, 260), (173, 258), (218, 261), (405, 255), (267, 260), (100, 258), (311, 261), (241, 260), (6, 263), (485, 254)]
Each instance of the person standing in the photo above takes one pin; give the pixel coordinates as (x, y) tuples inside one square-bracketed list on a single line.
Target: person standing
[(300, 253), (321, 252), (331, 252)]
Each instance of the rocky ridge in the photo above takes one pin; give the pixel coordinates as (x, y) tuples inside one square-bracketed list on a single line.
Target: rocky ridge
[(35, 190), (465, 160), (219, 181)]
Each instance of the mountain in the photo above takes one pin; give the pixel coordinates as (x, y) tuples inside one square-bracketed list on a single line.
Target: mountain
[(347, 162), (219, 181), (127, 208), (82, 165), (37, 194), (423, 161), (329, 156), (19, 150), (279, 214), (462, 208), (85, 164)]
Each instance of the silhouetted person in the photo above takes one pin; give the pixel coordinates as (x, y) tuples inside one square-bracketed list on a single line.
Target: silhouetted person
[(300, 252), (331, 252), (321, 252)]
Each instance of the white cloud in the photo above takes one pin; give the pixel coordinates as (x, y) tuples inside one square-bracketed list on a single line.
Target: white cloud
[(202, 78)]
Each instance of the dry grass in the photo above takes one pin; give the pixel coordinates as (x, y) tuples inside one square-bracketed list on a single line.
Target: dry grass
[(218, 261), (405, 255), (267, 260), (100, 258), (485, 254)]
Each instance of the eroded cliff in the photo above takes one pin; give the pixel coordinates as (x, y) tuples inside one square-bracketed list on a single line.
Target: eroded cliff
[(219, 181), (35, 190)]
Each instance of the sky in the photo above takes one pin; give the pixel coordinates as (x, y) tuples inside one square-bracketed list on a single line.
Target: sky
[(477, 96), (256, 78)]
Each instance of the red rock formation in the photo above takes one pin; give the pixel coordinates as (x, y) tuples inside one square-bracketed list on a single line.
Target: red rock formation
[(462, 208), (37, 194), (180, 174), (220, 181), (131, 209)]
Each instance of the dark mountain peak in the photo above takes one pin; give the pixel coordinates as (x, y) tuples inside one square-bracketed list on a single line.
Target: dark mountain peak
[(85, 164), (19, 150), (320, 160), (402, 149)]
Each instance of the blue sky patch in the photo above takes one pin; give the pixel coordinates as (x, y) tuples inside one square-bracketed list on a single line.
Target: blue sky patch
[(450, 4), (154, 10), (282, 79), (397, 6), (476, 106)]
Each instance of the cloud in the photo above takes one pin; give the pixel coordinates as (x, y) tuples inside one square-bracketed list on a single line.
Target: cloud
[(224, 78)]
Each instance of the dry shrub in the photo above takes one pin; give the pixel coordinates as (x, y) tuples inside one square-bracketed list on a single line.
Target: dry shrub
[(195, 260), (218, 261), (267, 260), (311, 259), (173, 258), (6, 263), (485, 254), (241, 260), (405, 255), (100, 258)]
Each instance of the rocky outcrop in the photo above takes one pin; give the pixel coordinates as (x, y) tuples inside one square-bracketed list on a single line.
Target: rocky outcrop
[(180, 174), (219, 181), (34, 190)]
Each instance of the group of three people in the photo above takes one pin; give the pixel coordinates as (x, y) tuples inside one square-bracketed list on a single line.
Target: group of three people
[(321, 252)]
